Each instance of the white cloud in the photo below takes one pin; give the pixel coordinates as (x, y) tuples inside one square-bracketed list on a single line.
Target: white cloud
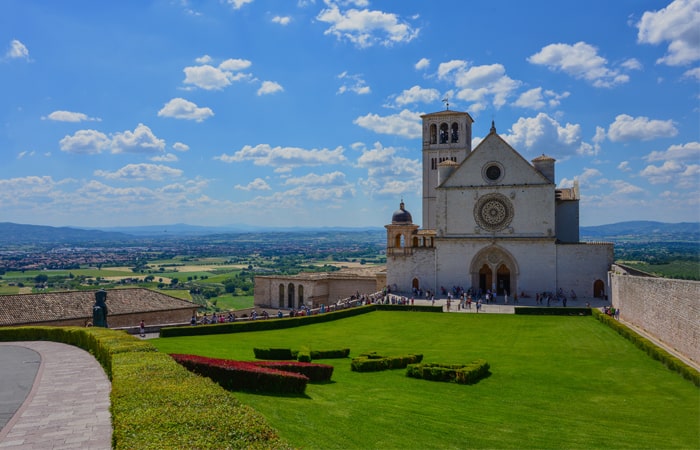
[(17, 50), (624, 166), (179, 108), (677, 24), (365, 28), (406, 123), (85, 142), (628, 128), (206, 76), (257, 184), (688, 152), (422, 64), (237, 4), (168, 157), (155, 172), (417, 94), (666, 173), (270, 87), (353, 83), (481, 85), (180, 147), (327, 179), (543, 134), (282, 20), (266, 155), (388, 173), (531, 99), (692, 73), (141, 140), (580, 61), (69, 116), (206, 59)]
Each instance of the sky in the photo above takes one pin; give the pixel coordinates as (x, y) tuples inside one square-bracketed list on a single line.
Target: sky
[(307, 112)]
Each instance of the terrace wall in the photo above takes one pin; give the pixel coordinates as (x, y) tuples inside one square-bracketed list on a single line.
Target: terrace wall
[(668, 310)]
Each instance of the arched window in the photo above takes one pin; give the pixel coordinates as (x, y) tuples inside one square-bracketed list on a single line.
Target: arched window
[(444, 133), (281, 296), (454, 136), (433, 134), (415, 241), (397, 241), (301, 295)]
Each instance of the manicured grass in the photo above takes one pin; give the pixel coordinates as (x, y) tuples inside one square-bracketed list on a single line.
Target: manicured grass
[(557, 382)]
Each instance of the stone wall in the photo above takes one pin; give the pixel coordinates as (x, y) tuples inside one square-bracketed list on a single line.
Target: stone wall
[(667, 309), (169, 317)]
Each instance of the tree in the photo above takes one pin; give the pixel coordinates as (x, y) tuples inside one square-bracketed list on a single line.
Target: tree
[(41, 278)]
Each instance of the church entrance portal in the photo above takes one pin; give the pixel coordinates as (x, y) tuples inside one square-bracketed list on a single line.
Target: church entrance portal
[(502, 280), (485, 278), (599, 289)]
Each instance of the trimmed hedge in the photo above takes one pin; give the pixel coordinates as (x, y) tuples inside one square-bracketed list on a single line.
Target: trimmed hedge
[(288, 322), (261, 325), (276, 354), (372, 362), (457, 373), (244, 376), (650, 348), (304, 355), (551, 311), (317, 373), (330, 354), (155, 402)]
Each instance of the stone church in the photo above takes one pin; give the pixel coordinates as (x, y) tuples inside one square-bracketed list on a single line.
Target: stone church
[(491, 220)]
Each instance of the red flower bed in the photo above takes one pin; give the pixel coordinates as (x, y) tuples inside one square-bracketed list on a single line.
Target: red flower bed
[(241, 375)]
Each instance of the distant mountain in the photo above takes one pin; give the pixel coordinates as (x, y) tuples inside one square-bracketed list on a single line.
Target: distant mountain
[(15, 233), (644, 229)]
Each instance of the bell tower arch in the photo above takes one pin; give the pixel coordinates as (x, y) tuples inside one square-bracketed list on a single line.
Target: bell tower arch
[(447, 136)]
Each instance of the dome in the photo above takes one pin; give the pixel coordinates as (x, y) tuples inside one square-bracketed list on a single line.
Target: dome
[(401, 216)]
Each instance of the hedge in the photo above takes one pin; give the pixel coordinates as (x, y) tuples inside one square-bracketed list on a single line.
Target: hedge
[(372, 362), (316, 373), (244, 376), (552, 311), (650, 348), (155, 402), (288, 322), (457, 373), (304, 355)]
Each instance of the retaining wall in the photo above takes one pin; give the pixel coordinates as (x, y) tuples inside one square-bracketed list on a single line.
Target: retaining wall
[(667, 309)]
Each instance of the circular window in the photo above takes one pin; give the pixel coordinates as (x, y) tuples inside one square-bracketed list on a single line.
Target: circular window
[(493, 212), (492, 172)]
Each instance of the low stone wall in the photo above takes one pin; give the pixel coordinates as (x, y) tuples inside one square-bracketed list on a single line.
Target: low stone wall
[(667, 309)]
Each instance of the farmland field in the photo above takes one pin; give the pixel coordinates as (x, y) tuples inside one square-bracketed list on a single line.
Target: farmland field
[(556, 382)]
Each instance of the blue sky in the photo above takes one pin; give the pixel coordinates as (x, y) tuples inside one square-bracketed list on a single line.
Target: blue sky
[(307, 113)]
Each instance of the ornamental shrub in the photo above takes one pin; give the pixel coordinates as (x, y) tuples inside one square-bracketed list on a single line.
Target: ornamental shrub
[(275, 354), (244, 376), (457, 373), (318, 373), (330, 354), (304, 355), (551, 311), (372, 362)]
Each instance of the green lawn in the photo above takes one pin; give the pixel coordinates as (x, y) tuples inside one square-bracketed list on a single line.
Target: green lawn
[(557, 382)]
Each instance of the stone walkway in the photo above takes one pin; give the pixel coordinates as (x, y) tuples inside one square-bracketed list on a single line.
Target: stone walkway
[(68, 404)]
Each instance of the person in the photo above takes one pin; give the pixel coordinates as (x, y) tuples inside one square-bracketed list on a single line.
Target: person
[(478, 305), (142, 328), (617, 313), (193, 320), (99, 310)]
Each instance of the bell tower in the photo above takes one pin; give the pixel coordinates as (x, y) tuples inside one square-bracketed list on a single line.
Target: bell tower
[(447, 136)]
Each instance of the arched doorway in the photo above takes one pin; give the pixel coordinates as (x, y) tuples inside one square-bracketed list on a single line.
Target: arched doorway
[(485, 278), (415, 283), (281, 296), (599, 289), (502, 280), (301, 295), (290, 296)]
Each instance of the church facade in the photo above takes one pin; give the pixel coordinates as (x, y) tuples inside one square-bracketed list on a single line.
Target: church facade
[(491, 221)]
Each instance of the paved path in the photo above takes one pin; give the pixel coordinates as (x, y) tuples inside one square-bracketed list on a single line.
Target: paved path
[(68, 404)]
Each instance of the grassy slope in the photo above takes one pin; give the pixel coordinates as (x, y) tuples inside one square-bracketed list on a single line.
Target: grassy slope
[(556, 382)]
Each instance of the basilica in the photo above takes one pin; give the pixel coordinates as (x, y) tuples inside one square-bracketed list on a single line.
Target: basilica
[(491, 221)]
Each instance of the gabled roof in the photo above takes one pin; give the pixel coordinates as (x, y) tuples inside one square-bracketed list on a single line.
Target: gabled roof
[(494, 141), (53, 306)]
